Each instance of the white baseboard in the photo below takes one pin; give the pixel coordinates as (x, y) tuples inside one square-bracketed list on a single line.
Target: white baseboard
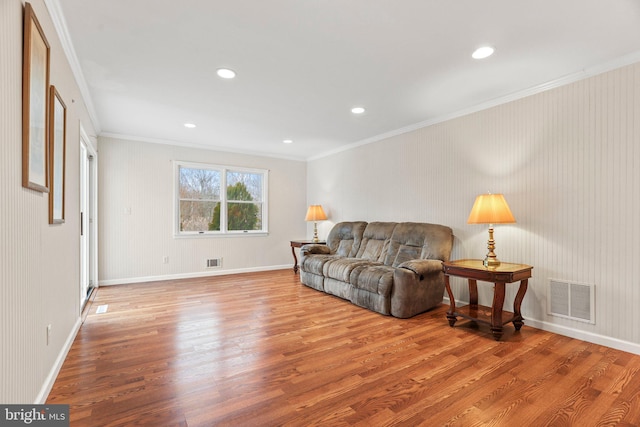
[(606, 341), (566, 331), (55, 369), (129, 280)]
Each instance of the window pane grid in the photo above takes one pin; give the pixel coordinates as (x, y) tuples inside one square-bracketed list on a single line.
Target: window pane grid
[(199, 199), (218, 200)]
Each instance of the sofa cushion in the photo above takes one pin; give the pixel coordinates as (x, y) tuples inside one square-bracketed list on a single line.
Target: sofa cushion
[(315, 264), (341, 268), (373, 278), (375, 241), (345, 247), (412, 240), (337, 288), (345, 237), (405, 253), (371, 301), (315, 281)]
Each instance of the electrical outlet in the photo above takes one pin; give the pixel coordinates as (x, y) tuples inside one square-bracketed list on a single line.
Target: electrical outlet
[(165, 259)]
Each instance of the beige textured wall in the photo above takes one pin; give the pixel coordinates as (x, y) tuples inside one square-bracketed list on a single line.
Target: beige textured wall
[(568, 162), (39, 263), (139, 176)]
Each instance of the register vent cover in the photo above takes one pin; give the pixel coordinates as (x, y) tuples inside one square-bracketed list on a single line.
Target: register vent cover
[(571, 300), (214, 262)]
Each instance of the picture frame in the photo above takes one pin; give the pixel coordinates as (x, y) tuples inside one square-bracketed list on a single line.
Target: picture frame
[(35, 92), (57, 150)]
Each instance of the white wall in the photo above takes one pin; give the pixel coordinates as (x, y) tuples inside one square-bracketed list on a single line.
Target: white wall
[(568, 162), (139, 176), (39, 263)]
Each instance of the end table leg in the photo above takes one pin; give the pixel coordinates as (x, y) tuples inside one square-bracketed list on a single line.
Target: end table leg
[(518, 321), (452, 319), (452, 303), (497, 332), (496, 310), (295, 259), (518, 324), (473, 292)]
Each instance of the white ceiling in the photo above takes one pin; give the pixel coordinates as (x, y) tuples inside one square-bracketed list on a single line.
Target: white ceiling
[(150, 65)]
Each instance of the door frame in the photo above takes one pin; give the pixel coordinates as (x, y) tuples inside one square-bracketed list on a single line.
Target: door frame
[(88, 213)]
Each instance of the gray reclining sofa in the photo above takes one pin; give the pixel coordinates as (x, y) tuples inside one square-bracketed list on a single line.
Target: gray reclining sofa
[(391, 268)]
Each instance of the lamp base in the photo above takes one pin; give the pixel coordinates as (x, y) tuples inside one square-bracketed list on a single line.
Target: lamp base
[(491, 260), (315, 232)]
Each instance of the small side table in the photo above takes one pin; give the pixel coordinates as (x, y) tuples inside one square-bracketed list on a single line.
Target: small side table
[(298, 244), (474, 270)]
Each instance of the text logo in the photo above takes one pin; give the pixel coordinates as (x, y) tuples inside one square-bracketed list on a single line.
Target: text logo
[(34, 415)]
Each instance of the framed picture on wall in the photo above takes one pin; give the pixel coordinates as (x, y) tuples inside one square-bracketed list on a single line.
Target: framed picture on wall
[(35, 91), (57, 148)]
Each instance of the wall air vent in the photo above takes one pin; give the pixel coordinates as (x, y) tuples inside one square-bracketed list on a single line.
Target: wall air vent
[(571, 300), (214, 263)]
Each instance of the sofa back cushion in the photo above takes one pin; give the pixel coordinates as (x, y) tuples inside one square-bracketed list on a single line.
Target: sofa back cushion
[(345, 237), (412, 240), (375, 241)]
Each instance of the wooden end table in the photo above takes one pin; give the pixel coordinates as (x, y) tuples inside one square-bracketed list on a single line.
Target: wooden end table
[(298, 244), (474, 270)]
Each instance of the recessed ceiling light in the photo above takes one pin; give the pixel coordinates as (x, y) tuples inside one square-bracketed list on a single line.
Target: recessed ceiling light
[(189, 125), (482, 52), (226, 73), (288, 141), (357, 110)]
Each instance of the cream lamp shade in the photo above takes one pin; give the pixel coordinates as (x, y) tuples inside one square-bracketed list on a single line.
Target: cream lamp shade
[(315, 213), (491, 209)]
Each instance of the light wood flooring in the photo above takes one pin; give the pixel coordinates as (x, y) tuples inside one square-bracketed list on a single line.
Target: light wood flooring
[(261, 349)]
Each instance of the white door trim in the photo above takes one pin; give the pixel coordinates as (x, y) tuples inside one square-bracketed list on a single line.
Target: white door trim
[(89, 217)]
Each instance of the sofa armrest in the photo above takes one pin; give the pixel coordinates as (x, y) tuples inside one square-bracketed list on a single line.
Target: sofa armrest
[(314, 249), (418, 285), (423, 267)]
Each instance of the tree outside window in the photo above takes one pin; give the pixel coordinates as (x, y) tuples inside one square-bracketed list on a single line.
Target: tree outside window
[(240, 215)]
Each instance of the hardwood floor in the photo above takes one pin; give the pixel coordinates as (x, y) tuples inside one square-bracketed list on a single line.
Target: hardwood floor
[(261, 349)]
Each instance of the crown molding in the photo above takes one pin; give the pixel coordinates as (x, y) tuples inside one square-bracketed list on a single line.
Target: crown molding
[(60, 24), (173, 143), (586, 73)]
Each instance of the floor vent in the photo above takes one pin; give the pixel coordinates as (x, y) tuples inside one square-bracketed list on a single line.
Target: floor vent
[(571, 300), (214, 262)]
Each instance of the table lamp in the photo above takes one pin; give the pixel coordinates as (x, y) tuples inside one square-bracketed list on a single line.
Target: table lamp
[(490, 209), (315, 213)]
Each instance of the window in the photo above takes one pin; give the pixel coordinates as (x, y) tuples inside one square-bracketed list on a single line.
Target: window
[(217, 200)]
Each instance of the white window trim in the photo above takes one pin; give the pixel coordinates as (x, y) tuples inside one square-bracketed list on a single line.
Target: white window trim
[(223, 232)]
